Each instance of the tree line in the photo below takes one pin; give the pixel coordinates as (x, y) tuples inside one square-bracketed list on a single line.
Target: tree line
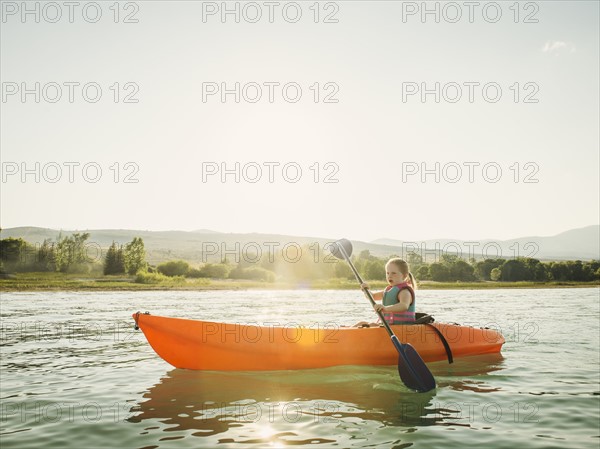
[(449, 268), (71, 254)]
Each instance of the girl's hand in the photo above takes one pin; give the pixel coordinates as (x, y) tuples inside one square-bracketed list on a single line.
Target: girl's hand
[(364, 286), (379, 308)]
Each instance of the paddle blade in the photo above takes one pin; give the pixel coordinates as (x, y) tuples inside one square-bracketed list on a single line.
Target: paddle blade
[(335, 249), (413, 371)]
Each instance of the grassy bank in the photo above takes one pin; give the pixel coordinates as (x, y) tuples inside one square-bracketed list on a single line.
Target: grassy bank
[(74, 282)]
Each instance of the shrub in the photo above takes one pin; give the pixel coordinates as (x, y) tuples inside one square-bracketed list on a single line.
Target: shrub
[(143, 277), (252, 273), (78, 268), (423, 272), (194, 273), (174, 268), (219, 271), (439, 272)]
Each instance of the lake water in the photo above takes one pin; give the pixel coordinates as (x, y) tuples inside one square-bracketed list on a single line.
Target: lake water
[(74, 373)]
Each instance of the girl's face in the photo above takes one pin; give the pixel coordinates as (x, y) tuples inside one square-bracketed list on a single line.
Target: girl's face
[(393, 274)]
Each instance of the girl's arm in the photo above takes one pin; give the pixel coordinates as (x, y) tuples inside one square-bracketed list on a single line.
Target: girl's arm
[(377, 296)]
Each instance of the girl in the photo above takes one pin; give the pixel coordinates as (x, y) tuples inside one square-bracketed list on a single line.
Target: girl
[(398, 298)]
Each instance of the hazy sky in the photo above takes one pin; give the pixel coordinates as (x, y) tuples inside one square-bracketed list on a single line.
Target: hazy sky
[(350, 98)]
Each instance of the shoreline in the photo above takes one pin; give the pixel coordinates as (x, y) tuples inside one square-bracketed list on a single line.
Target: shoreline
[(28, 282)]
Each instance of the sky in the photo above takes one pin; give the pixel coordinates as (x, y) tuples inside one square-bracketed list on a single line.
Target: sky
[(362, 120)]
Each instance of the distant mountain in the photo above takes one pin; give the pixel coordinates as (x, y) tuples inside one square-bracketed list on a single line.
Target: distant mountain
[(581, 243), (205, 245)]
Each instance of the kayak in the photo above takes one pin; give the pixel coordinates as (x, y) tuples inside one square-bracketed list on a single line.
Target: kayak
[(207, 345)]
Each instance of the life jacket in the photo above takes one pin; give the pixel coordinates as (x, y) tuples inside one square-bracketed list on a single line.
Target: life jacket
[(390, 297)]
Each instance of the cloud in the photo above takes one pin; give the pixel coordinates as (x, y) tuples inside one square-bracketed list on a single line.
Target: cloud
[(557, 46)]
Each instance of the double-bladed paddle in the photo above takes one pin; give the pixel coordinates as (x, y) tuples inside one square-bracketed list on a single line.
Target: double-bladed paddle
[(413, 371)]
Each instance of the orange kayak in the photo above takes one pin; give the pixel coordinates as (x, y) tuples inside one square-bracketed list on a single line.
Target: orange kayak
[(206, 345)]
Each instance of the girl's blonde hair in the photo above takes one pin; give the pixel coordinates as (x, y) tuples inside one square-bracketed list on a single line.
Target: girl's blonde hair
[(403, 267)]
